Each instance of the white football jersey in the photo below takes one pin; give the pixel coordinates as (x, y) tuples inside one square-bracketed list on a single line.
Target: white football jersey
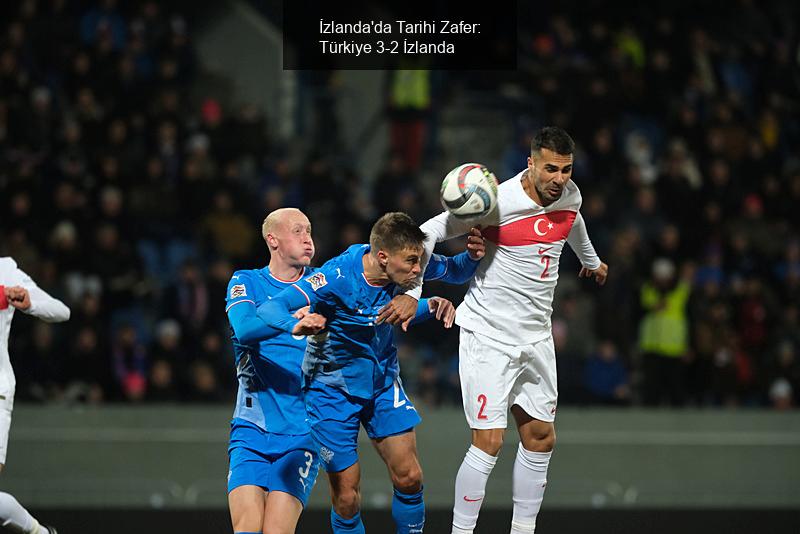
[(43, 306), (510, 299)]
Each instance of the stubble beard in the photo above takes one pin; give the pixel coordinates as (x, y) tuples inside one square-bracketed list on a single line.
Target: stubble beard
[(405, 286)]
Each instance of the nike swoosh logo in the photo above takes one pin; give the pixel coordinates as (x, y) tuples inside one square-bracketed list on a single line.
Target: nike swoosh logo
[(543, 250), (472, 500)]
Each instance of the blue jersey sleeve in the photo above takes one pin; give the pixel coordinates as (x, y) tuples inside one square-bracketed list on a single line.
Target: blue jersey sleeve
[(241, 309), (451, 269), (423, 312), (277, 312)]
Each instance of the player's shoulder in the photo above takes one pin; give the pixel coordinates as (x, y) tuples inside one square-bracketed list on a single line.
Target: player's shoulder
[(242, 276), (240, 286), (349, 257), (8, 270), (339, 271), (571, 198), (511, 185), (331, 278), (356, 251)]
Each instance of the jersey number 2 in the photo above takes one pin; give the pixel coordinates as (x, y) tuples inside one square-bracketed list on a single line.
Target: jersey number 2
[(546, 261)]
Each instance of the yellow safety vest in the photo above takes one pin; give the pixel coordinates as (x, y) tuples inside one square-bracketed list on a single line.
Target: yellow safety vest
[(411, 89), (666, 331)]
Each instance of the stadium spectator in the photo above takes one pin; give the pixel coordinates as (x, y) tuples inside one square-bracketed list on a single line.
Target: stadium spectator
[(161, 385), (409, 107), (130, 360), (605, 377), (188, 300), (664, 334), (86, 370)]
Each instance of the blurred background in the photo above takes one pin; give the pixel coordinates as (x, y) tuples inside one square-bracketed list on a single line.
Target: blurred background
[(142, 143)]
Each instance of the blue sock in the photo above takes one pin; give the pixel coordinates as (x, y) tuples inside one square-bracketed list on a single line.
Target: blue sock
[(341, 525), (408, 512)]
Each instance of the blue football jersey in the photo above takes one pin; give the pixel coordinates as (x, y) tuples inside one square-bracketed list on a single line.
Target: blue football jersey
[(353, 353), (268, 361)]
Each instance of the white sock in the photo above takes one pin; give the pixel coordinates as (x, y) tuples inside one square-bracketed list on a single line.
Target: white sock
[(471, 488), (16, 518), (530, 479)]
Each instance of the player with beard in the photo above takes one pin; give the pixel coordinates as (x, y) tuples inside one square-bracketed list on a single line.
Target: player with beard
[(506, 354)]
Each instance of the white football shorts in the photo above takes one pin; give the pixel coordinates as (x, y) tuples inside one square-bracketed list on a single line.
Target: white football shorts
[(496, 376)]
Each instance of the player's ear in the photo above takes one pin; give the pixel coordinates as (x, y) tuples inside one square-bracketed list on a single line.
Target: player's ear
[(383, 258), (271, 241)]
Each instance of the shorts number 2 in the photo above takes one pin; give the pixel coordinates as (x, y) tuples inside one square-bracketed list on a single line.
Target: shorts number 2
[(482, 401)]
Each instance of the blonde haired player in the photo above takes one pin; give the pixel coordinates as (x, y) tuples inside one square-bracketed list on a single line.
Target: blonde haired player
[(506, 354), (19, 292)]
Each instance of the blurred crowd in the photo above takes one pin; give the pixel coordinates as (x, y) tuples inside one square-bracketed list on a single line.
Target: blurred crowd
[(688, 122), (132, 196)]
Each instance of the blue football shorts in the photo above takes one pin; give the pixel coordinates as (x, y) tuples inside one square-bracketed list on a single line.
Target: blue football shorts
[(275, 462), (335, 418)]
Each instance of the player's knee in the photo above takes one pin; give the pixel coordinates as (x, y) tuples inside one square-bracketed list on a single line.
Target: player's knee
[(548, 442), (347, 502), (408, 480), (489, 442), (544, 441)]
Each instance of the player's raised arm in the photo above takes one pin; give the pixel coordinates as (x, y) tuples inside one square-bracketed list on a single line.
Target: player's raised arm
[(460, 268), (580, 243), (29, 298)]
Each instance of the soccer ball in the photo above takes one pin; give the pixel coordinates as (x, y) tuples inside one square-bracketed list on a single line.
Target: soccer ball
[(469, 191)]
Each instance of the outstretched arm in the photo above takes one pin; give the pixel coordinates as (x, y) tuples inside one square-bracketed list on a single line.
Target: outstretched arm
[(279, 312), (246, 323), (241, 310), (461, 267), (29, 298), (580, 243), (441, 228)]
